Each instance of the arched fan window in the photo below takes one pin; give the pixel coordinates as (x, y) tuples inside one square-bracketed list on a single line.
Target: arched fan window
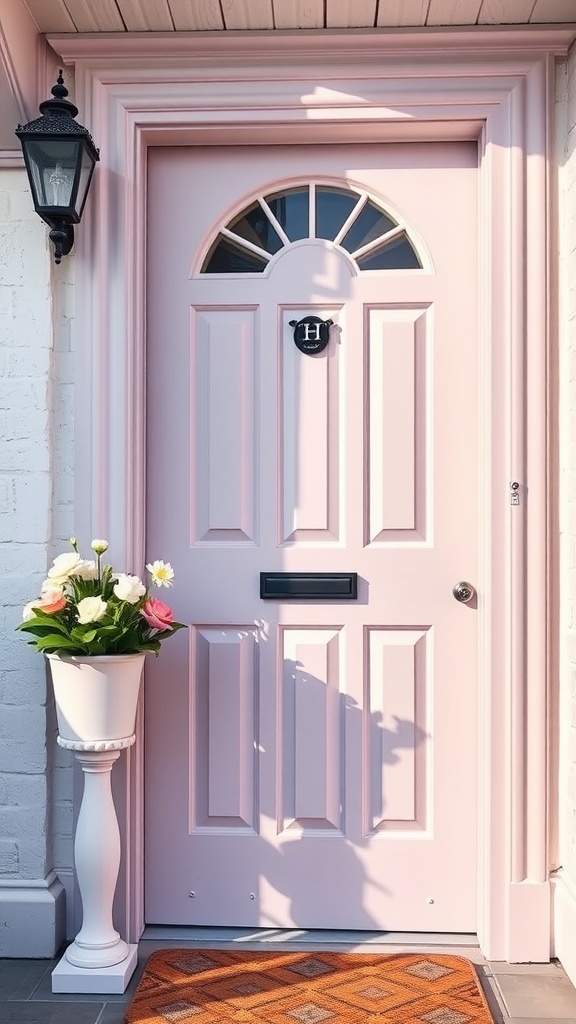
[(343, 215)]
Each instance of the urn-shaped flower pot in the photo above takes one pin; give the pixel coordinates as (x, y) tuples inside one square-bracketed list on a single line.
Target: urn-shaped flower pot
[(96, 697)]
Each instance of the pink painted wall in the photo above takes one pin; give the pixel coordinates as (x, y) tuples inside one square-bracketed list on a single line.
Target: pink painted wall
[(564, 854)]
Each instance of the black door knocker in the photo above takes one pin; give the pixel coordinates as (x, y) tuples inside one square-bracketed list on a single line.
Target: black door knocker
[(311, 334)]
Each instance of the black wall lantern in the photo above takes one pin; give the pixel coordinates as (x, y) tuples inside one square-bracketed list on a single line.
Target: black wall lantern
[(60, 156)]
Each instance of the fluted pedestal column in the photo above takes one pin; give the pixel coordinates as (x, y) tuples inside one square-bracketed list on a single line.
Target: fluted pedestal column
[(98, 960)]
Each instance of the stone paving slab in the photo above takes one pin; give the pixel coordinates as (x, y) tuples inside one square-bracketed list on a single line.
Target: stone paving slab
[(527, 995), (22, 1012)]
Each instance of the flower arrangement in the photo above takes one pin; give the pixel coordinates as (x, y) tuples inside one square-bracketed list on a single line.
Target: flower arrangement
[(87, 609)]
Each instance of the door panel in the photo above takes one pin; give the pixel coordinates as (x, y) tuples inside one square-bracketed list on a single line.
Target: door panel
[(223, 425), (313, 763), (397, 342)]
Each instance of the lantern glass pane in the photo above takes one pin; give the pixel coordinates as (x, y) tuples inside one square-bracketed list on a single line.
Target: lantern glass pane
[(53, 168), (85, 174)]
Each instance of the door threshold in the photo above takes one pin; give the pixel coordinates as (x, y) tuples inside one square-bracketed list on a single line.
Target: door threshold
[(296, 937)]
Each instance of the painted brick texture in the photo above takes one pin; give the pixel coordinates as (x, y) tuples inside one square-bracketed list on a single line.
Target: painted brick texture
[(36, 469), (36, 520), (567, 463), (25, 524)]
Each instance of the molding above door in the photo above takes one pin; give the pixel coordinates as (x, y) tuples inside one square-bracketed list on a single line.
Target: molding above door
[(496, 87), (259, 50)]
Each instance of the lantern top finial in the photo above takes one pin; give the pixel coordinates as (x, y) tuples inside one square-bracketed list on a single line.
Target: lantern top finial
[(58, 104), (59, 89)]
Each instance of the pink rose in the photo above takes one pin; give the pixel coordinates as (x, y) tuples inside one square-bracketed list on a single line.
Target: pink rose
[(157, 614)]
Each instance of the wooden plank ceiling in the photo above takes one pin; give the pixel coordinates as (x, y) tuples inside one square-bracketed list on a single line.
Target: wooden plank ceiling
[(55, 16)]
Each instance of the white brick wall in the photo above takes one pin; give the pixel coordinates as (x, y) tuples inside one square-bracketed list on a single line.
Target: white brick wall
[(36, 520), (25, 525)]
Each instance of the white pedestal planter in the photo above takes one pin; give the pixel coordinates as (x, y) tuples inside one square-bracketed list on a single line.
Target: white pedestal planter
[(96, 700)]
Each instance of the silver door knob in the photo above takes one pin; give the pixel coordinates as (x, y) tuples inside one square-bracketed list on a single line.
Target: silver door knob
[(463, 592)]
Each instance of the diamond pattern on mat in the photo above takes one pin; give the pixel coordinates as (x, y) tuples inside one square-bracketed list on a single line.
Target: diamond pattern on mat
[(353, 993), (192, 964), (312, 968), (177, 1012), (373, 992), (428, 971), (444, 1015), (309, 1013), (244, 990)]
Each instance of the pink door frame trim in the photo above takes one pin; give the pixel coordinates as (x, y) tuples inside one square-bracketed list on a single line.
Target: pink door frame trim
[(493, 85)]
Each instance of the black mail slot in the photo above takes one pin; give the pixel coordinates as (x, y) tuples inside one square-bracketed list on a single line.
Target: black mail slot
[(309, 585)]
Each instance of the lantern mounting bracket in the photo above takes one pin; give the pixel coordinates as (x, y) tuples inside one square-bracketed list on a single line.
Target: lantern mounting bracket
[(61, 235)]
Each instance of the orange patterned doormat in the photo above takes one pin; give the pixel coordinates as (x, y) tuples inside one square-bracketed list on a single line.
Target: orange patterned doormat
[(239, 987)]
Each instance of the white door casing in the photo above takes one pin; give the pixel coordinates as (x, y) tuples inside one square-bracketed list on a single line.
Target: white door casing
[(496, 86), (360, 808)]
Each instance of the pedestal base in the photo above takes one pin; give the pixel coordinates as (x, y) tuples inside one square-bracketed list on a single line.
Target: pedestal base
[(95, 980)]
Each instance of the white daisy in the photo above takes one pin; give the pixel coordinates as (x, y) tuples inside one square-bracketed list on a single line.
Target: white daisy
[(162, 573)]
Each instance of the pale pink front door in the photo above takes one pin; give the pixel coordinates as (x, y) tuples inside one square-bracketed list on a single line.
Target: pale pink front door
[(313, 762)]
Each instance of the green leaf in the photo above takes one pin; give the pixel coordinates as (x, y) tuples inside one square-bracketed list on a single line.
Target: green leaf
[(40, 629), (86, 637), (39, 625), (151, 645), (54, 642)]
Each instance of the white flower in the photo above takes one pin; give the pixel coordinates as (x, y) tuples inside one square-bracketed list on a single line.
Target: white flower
[(129, 588), (91, 609), (28, 612), (86, 570), (63, 567), (51, 589), (162, 573), (99, 546)]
